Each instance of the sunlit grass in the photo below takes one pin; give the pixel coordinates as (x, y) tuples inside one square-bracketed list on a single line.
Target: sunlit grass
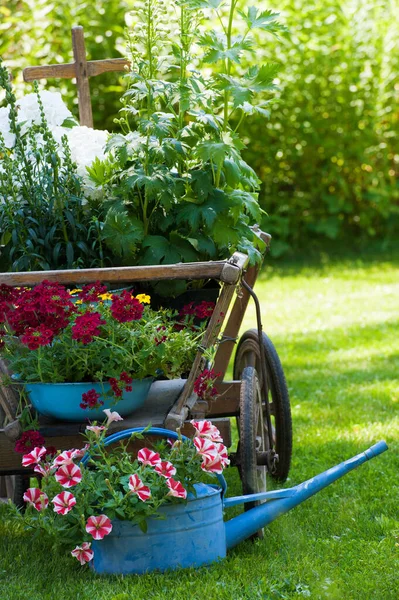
[(336, 329)]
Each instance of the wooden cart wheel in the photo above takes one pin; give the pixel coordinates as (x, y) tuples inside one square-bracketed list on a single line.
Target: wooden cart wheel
[(274, 391), (252, 438), (13, 487)]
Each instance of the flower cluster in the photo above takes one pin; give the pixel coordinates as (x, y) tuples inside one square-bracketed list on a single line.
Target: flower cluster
[(50, 334), (86, 499), (204, 385), (203, 310)]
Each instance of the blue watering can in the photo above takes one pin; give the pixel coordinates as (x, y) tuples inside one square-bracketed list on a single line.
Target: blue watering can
[(194, 534)]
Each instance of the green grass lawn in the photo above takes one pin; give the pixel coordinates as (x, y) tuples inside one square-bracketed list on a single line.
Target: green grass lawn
[(336, 328)]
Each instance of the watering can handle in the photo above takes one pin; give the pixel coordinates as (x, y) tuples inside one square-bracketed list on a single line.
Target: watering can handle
[(121, 435)]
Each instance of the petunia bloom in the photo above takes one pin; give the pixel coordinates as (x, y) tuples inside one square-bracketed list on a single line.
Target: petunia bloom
[(207, 430), (96, 429), (148, 457), (69, 475), (212, 464), (205, 447), (65, 458), (166, 469), (222, 452), (36, 498), (138, 488), (99, 526), (29, 440), (112, 416), (63, 502), (176, 489), (33, 457), (83, 553)]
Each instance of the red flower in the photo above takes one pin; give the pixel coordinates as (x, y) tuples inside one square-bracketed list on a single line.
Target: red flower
[(166, 469), (63, 502), (69, 475), (176, 489), (203, 385), (138, 488), (188, 309), (212, 464), (36, 498), (204, 310), (28, 440), (90, 399), (125, 377), (87, 326), (99, 526), (148, 457), (123, 384), (205, 447), (65, 458), (83, 553), (33, 457), (92, 291), (125, 308), (37, 336)]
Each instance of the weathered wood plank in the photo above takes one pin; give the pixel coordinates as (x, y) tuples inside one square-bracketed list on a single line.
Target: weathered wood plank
[(65, 71), (97, 67), (82, 77), (199, 270)]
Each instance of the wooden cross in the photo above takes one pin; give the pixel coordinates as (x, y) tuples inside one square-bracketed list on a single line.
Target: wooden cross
[(81, 69)]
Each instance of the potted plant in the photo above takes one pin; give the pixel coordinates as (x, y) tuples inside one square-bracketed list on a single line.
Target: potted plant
[(76, 353), (114, 504)]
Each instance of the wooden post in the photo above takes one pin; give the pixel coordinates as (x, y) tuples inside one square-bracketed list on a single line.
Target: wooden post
[(82, 69), (82, 77)]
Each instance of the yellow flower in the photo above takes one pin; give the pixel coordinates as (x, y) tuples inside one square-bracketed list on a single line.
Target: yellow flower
[(106, 296), (79, 302), (72, 292), (143, 298)]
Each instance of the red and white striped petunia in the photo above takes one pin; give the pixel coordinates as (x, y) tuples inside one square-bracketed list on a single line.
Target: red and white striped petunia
[(44, 469), (112, 416), (212, 464), (65, 458), (222, 452), (166, 469), (69, 475), (33, 457), (138, 488), (99, 526), (80, 452), (63, 502), (205, 447), (83, 553), (176, 489), (207, 430), (97, 429), (36, 498), (148, 457)]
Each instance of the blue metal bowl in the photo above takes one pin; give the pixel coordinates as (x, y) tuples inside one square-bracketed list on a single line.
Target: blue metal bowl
[(62, 400)]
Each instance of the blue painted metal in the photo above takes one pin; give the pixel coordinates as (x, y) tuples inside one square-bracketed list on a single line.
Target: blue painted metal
[(246, 524), (61, 400), (190, 535)]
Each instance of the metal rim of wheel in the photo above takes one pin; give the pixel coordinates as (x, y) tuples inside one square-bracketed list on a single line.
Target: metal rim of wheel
[(275, 392)]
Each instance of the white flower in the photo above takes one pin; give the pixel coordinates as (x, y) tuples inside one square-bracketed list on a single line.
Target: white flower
[(9, 138), (54, 108)]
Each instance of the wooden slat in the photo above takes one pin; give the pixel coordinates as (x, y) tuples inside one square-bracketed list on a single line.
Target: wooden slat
[(227, 403), (97, 67), (65, 71), (199, 270), (82, 77)]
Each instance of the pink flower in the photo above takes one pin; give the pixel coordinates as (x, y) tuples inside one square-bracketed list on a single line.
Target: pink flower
[(166, 469), (207, 430), (83, 553), (68, 475), (36, 498), (33, 457), (96, 429), (176, 489), (148, 457), (222, 452), (80, 451), (112, 416), (138, 488), (212, 464), (63, 502), (65, 458), (99, 526), (205, 447), (44, 470)]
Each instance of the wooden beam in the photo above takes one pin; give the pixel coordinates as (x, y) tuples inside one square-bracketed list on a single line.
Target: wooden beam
[(82, 77)]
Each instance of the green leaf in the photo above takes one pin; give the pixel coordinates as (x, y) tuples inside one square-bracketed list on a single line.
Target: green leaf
[(159, 251), (265, 20), (122, 233), (217, 47), (248, 202)]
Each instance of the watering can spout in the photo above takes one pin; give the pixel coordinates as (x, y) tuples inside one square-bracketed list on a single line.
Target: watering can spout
[(281, 501)]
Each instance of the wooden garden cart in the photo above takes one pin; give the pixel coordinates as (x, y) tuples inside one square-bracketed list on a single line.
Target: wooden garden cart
[(256, 397)]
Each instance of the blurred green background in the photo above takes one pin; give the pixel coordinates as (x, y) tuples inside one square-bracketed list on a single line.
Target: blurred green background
[(329, 155)]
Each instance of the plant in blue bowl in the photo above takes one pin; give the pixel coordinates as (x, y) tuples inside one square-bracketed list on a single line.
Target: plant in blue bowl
[(78, 353)]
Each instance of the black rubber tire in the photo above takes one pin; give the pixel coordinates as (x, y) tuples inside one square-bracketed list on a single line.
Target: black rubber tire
[(251, 429), (13, 487), (276, 391)]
